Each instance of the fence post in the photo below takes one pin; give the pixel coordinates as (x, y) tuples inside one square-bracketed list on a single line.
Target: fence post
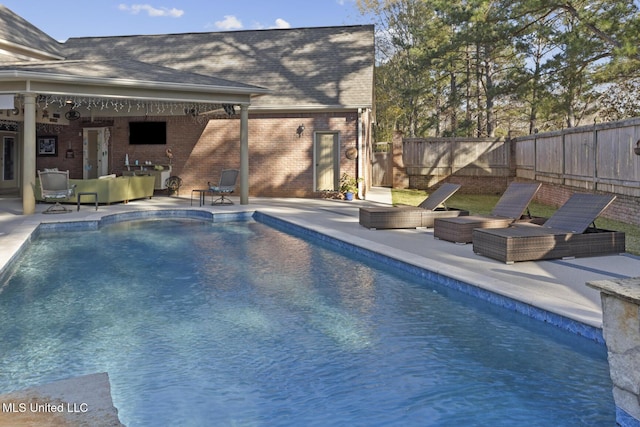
[(400, 177)]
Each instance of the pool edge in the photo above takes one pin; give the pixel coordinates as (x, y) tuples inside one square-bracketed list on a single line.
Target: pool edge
[(563, 322)]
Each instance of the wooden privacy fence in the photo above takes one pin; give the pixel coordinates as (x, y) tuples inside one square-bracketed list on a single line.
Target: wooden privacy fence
[(594, 158), (382, 165), (600, 157), (430, 160)]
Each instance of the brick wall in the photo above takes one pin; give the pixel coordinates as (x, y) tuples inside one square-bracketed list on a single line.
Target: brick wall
[(181, 131), (470, 185), (280, 161), (68, 137), (623, 208)]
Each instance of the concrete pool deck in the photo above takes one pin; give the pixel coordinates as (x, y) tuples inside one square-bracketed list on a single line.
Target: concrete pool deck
[(553, 286), (557, 286)]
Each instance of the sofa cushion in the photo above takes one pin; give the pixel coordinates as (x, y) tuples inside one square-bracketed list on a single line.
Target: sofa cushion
[(141, 186), (109, 189)]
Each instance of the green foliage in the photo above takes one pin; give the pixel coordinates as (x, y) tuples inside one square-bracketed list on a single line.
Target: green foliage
[(349, 184), (501, 67)]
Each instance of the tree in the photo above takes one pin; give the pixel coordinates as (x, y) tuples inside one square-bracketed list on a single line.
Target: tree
[(586, 41), (489, 67), (401, 81)]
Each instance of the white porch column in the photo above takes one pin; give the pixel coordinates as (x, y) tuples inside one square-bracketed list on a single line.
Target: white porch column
[(362, 171), (29, 155), (244, 154)]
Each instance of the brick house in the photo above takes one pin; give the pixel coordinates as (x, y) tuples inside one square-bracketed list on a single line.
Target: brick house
[(291, 108)]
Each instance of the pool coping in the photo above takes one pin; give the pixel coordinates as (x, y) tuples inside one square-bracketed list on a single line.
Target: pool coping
[(407, 265)]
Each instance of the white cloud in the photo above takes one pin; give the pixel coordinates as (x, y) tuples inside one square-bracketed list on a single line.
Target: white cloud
[(230, 22), (151, 11), (281, 23)]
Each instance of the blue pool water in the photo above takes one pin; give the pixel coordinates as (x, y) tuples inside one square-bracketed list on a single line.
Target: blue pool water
[(241, 324)]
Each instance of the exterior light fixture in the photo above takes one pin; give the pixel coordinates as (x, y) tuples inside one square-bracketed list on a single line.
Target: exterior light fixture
[(300, 130)]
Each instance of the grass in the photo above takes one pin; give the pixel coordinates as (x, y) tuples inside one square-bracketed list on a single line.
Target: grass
[(483, 204)]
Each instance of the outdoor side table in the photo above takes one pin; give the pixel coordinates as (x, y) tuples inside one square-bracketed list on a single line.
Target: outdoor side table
[(95, 198), (201, 195)]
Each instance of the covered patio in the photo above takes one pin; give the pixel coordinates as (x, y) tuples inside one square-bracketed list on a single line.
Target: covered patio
[(102, 88)]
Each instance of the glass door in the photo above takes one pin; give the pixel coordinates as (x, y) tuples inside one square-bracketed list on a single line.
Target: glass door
[(9, 161), (95, 153)]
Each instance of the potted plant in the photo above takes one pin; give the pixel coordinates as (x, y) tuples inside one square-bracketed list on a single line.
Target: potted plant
[(349, 185)]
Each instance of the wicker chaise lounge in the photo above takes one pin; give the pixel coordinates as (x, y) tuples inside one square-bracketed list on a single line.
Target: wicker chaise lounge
[(566, 234), (422, 215), (511, 206)]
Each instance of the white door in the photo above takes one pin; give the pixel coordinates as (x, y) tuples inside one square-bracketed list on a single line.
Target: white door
[(95, 152), (326, 161), (9, 162)]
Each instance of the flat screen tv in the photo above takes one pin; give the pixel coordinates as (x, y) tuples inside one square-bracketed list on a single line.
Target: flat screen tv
[(147, 133)]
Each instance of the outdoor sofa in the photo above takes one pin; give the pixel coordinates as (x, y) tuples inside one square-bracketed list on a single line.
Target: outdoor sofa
[(566, 234), (110, 189), (511, 207), (423, 215)]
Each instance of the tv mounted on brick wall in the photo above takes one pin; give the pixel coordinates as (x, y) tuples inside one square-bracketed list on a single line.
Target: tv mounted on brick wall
[(147, 133)]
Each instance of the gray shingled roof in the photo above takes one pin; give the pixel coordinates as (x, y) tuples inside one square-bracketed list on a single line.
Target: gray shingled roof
[(304, 67), (123, 70), (16, 30)]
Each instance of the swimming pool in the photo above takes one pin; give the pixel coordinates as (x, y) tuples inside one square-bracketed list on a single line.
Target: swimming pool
[(241, 324)]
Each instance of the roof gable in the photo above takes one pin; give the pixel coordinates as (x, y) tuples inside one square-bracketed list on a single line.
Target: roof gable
[(24, 40), (304, 67)]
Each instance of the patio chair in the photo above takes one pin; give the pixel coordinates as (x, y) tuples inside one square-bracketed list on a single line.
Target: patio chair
[(226, 185), (54, 184), (566, 234), (423, 215), (511, 207)]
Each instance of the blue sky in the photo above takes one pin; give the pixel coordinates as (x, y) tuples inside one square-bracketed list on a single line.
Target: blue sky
[(62, 19)]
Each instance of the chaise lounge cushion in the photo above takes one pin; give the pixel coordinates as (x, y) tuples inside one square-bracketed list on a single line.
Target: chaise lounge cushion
[(510, 207), (422, 215), (566, 234), (530, 242)]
